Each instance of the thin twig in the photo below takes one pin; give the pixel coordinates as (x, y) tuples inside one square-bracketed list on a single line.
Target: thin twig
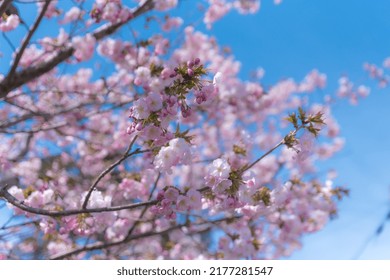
[(28, 38), (268, 152), (25, 149), (136, 223), (377, 232), (263, 156), (130, 238), (5, 227), (108, 170), (59, 124), (108, 245)]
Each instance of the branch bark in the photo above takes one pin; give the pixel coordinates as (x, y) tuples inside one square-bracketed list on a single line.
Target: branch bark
[(135, 237), (11, 82), (20, 204), (4, 6), (26, 41), (107, 245)]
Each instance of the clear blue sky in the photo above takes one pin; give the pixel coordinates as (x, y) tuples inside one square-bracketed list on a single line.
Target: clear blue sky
[(336, 37)]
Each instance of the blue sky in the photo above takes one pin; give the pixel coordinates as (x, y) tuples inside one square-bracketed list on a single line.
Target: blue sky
[(336, 37)]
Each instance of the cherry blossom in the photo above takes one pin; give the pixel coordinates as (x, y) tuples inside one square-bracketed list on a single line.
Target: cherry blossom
[(128, 127), (10, 23)]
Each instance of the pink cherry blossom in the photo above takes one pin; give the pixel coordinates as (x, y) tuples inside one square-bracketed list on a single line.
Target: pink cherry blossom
[(140, 109), (217, 9), (171, 23), (142, 76), (163, 5), (72, 15), (10, 23), (177, 152), (52, 10), (84, 47), (154, 102), (220, 168), (149, 145)]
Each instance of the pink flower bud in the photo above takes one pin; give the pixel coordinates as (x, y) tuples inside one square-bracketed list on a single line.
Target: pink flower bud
[(130, 129), (190, 64), (139, 126), (160, 195), (185, 111)]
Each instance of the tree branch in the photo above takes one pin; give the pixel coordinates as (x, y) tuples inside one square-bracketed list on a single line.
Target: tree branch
[(135, 237), (107, 245), (10, 83), (25, 149), (269, 152), (55, 125), (20, 204), (28, 38), (263, 156), (108, 170), (136, 223), (4, 6)]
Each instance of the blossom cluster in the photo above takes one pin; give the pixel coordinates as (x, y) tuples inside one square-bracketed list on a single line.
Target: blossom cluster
[(140, 140), (9, 23)]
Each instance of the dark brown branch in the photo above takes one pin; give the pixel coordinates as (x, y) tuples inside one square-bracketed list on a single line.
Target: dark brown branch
[(28, 38), (4, 194), (21, 107), (33, 72), (15, 121), (24, 76), (6, 227), (147, 6), (20, 204), (4, 6)]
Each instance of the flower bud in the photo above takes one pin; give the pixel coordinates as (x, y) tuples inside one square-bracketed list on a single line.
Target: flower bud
[(139, 126), (190, 64)]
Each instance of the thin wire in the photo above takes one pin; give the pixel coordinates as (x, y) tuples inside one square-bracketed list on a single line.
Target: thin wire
[(374, 235)]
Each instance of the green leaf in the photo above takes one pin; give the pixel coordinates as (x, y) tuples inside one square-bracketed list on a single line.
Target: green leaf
[(302, 115)]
